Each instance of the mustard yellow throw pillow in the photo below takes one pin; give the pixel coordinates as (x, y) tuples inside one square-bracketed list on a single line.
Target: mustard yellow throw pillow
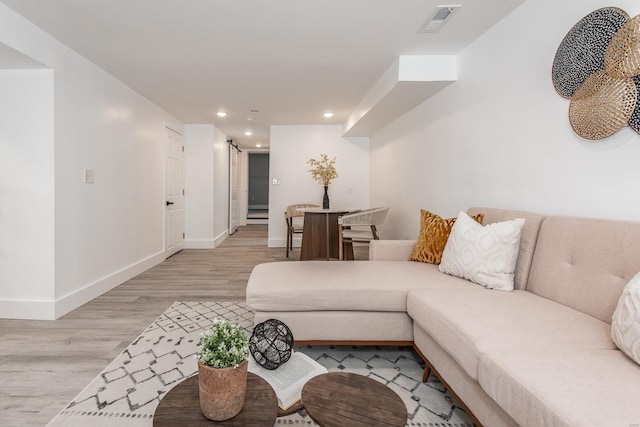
[(434, 233)]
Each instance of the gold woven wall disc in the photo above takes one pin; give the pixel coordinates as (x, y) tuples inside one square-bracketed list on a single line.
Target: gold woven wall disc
[(622, 58), (602, 105)]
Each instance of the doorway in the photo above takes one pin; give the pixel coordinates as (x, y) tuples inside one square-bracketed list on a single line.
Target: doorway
[(174, 193), (258, 188)]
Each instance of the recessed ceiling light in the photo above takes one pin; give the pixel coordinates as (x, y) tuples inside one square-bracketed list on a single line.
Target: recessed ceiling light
[(328, 114), (258, 145), (221, 114), (248, 133)]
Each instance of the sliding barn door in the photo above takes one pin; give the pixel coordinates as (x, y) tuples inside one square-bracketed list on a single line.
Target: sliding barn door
[(233, 189)]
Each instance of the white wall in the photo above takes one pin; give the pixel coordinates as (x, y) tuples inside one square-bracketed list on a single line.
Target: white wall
[(199, 181), (290, 149), (500, 136), (207, 186), (109, 231), (221, 186), (26, 192)]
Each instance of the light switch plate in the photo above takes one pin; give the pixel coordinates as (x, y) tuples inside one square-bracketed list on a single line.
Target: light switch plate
[(88, 176)]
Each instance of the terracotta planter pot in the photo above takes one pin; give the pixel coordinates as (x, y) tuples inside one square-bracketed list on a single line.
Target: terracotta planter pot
[(222, 391)]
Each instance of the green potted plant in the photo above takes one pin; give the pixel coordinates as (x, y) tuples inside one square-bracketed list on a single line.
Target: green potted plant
[(323, 171), (222, 369)]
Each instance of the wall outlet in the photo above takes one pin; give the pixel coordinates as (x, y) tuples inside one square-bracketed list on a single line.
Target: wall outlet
[(275, 181)]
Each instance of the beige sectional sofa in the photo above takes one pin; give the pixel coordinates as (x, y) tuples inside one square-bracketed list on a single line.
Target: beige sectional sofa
[(539, 355)]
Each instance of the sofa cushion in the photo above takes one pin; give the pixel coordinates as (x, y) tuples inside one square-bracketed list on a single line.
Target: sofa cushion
[(356, 285), (434, 233), (585, 263), (343, 325), (528, 237), (625, 326), (469, 322), (563, 386), (486, 255), (480, 404)]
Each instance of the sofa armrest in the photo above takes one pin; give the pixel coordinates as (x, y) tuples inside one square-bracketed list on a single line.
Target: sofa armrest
[(391, 250)]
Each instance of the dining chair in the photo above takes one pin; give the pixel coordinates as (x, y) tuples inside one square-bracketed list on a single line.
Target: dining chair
[(295, 222), (365, 222)]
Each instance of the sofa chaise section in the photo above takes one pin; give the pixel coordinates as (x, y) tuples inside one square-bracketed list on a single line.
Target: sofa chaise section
[(357, 301)]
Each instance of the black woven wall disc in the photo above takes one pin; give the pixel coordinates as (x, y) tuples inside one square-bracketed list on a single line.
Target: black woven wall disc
[(581, 53)]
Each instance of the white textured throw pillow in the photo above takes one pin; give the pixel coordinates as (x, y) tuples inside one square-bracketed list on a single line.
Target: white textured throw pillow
[(625, 325), (485, 255)]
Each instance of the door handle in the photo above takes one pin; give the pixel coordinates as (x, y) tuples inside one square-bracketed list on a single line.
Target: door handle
[(169, 203)]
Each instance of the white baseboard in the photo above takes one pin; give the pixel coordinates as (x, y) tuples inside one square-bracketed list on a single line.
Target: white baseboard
[(27, 310), (53, 309), (220, 238), (281, 242), (93, 290), (207, 243), (200, 244)]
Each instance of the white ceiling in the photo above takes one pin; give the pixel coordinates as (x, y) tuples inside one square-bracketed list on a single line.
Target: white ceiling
[(290, 59)]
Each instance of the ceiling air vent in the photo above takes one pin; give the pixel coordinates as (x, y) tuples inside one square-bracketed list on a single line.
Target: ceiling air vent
[(440, 16)]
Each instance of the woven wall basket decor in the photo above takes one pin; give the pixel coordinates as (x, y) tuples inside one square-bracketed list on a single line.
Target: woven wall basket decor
[(602, 105), (622, 58), (581, 53)]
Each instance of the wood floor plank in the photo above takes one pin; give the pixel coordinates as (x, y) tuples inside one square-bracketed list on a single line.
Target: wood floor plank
[(44, 364)]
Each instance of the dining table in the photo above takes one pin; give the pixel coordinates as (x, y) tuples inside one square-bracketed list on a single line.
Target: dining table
[(320, 239)]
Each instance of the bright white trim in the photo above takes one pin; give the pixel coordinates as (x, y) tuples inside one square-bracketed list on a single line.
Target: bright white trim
[(206, 243), (51, 310), (220, 238), (280, 242), (200, 243), (93, 290), (24, 309)]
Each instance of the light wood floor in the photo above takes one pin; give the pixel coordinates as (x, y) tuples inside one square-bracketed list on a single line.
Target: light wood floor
[(44, 364)]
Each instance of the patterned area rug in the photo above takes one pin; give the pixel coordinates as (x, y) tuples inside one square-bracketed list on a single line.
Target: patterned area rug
[(127, 392)]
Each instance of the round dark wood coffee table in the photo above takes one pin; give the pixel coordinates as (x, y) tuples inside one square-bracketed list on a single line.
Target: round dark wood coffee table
[(337, 399), (180, 407)]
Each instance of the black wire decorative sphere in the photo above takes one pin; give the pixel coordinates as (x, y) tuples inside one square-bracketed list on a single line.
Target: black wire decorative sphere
[(271, 343)]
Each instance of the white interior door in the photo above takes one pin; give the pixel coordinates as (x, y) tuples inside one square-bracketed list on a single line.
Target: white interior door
[(233, 190), (174, 192)]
